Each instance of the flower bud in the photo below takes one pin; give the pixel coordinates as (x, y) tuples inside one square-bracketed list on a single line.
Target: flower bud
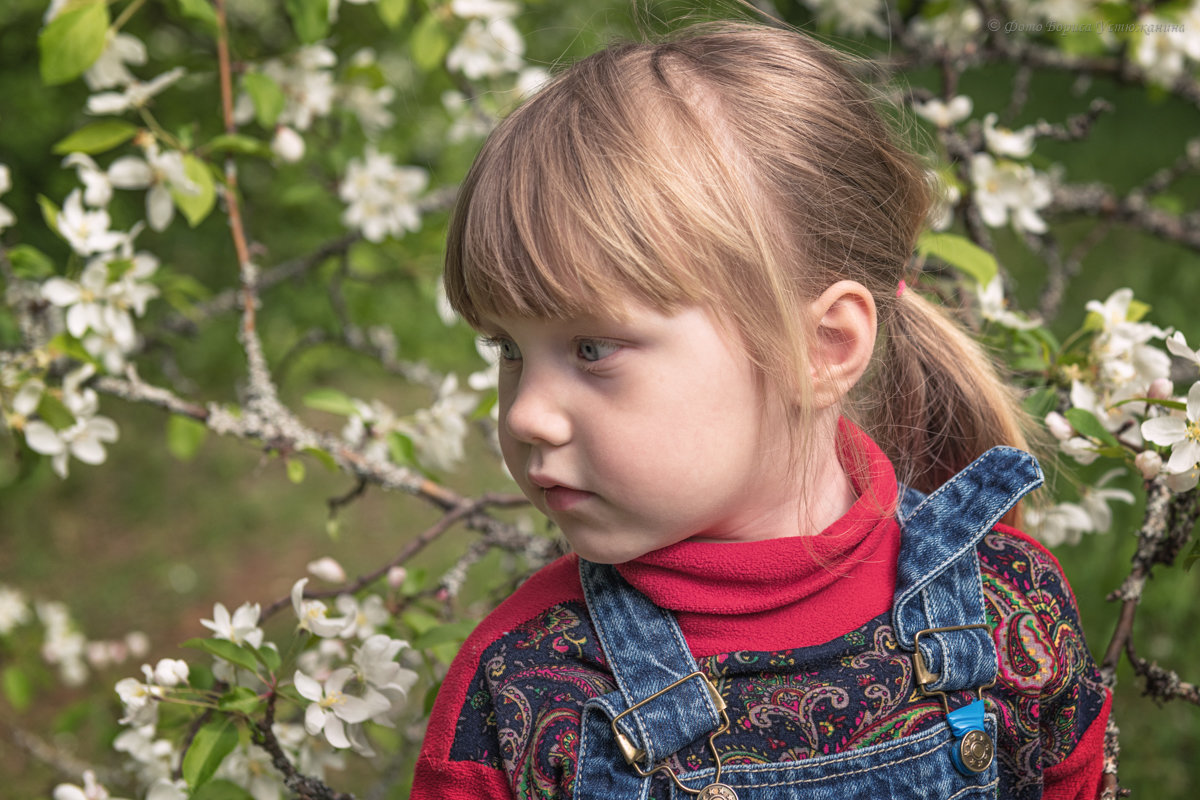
[(138, 643), (1059, 427), (396, 577), (1160, 389), (287, 145), (1149, 462), (327, 570), (170, 672)]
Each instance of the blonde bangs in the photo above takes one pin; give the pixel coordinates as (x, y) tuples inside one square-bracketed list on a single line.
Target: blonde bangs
[(581, 201)]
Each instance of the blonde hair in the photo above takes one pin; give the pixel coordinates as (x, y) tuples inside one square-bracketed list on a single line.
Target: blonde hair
[(742, 168)]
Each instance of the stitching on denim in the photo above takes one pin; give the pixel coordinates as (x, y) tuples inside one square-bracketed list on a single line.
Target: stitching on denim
[(972, 789), (1017, 494), (601, 623)]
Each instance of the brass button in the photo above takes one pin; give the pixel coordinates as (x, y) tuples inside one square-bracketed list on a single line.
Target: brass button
[(717, 791), (976, 750)]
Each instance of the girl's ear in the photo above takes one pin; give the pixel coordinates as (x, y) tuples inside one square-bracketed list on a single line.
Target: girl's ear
[(844, 341)]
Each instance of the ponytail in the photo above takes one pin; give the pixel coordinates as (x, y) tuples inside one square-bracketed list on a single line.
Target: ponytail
[(936, 398)]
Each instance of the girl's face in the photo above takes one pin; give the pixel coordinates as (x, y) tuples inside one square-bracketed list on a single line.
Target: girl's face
[(639, 431)]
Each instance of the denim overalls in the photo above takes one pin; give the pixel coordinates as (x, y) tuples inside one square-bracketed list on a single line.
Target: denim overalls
[(664, 703)]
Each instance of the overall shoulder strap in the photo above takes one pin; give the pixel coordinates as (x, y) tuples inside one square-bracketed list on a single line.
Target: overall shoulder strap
[(938, 582), (662, 702)]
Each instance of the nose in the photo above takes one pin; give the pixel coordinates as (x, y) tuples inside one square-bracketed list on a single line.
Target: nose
[(535, 411)]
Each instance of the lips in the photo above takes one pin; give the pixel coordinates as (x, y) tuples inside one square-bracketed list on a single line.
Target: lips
[(559, 497)]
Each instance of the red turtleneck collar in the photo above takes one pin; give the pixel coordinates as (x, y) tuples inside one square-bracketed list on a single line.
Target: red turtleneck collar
[(792, 592)]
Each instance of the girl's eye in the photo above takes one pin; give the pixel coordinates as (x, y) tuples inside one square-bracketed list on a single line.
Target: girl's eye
[(506, 347), (595, 349)]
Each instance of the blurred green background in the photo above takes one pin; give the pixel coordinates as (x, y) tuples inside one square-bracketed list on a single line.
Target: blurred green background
[(148, 542)]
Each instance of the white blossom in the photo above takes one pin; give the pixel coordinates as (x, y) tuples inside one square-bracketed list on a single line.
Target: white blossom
[(1060, 524), (327, 569), (241, 628), (307, 83), (487, 48), (86, 231), (439, 432), (1059, 426), (993, 307), (1181, 434), (170, 672), (14, 610), (331, 707), (140, 698), (313, 615), (945, 113), (1006, 188), (85, 438), (1006, 142), (381, 196), (97, 188), (91, 790), (159, 173), (1178, 346), (1122, 350), (851, 17), (287, 145), (1095, 498), (109, 69), (953, 30), (362, 618), (1160, 51), (135, 95)]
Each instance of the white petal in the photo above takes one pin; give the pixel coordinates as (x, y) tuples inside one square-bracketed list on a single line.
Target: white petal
[(1193, 402), (160, 208), (88, 450), (61, 292), (1164, 430), (335, 732), (43, 439), (315, 719), (1184, 456), (354, 709), (28, 397), (130, 172), (308, 687)]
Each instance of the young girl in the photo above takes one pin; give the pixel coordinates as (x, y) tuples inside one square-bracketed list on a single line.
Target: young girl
[(690, 257)]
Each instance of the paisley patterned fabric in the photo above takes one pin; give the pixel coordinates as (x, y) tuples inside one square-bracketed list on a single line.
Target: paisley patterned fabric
[(522, 712)]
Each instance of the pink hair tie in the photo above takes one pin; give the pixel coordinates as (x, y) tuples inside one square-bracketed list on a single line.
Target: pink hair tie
[(900, 289)]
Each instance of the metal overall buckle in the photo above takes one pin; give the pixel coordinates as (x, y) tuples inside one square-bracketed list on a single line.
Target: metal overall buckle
[(974, 750), (713, 791)]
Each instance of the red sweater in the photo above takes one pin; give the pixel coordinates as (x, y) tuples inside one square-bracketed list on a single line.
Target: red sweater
[(753, 614)]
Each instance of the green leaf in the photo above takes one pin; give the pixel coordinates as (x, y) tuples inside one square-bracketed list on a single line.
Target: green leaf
[(295, 470), (221, 790), (392, 12), (402, 449), (195, 206), (72, 42), (97, 137), (1193, 556), (454, 632), (961, 253), (267, 97), (64, 344), (54, 413), (30, 263), (50, 212), (310, 19), (200, 10), (429, 43), (331, 400), (184, 437), (238, 144), (269, 657), (243, 656), (214, 741), (419, 621), (1086, 423), (241, 699), (17, 687), (322, 456), (1041, 402)]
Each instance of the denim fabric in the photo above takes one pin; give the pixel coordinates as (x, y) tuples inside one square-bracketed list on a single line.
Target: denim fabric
[(938, 585)]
